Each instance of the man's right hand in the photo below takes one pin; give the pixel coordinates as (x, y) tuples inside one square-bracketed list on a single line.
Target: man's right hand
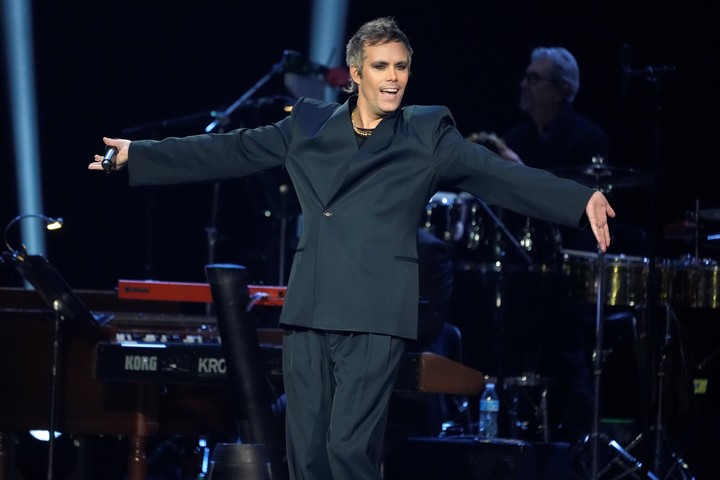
[(121, 157)]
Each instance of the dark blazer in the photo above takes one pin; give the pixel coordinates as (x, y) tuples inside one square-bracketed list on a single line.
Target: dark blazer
[(355, 268)]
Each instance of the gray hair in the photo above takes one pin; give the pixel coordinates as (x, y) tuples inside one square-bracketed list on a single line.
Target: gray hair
[(375, 32), (565, 67)]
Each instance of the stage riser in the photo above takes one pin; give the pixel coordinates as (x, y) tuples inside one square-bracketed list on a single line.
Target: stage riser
[(430, 458)]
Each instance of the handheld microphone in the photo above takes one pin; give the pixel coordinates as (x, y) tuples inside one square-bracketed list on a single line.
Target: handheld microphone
[(108, 160)]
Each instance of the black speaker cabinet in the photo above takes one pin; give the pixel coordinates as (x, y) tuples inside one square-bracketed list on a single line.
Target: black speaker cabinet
[(464, 458)]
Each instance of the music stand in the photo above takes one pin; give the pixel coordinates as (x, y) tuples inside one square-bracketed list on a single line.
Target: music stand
[(53, 288), (66, 304)]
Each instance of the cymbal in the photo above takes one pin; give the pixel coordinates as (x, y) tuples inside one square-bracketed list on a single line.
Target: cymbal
[(604, 176)]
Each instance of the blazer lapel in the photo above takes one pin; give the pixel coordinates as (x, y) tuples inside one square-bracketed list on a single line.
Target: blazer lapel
[(353, 164), (340, 122)]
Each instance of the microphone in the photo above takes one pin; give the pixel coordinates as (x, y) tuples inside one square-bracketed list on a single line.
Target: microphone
[(108, 160), (295, 62)]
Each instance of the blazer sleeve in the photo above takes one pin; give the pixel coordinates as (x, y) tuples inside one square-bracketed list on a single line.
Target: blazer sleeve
[(209, 157), (525, 190)]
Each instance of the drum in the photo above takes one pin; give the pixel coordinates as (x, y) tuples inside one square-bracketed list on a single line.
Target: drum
[(457, 219), (696, 283), (444, 216), (626, 278), (539, 240), (479, 235)]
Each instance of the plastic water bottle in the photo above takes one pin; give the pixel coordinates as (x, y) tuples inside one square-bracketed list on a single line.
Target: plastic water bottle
[(489, 409)]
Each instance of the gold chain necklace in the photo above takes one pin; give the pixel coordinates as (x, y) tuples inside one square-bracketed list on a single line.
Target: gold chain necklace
[(362, 132)]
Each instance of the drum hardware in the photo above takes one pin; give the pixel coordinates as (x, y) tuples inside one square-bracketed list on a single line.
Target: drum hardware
[(614, 456), (615, 280), (627, 177), (699, 229), (696, 283), (445, 205), (665, 462), (503, 228), (626, 277), (677, 464), (453, 217), (519, 389), (598, 174), (526, 237), (474, 235)]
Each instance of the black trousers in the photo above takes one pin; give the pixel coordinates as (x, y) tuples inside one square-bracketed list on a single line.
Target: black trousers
[(338, 387)]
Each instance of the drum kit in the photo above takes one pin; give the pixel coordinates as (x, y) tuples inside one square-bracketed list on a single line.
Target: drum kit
[(481, 236), (484, 239)]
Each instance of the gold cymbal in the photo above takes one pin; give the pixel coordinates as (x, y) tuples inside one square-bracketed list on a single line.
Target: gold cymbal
[(605, 177)]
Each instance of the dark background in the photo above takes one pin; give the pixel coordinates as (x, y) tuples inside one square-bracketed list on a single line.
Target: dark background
[(117, 68), (105, 67)]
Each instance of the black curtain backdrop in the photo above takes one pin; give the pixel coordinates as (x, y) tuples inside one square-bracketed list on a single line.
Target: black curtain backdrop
[(103, 68)]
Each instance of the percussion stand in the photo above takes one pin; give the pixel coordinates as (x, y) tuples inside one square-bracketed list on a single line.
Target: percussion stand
[(617, 454), (678, 464)]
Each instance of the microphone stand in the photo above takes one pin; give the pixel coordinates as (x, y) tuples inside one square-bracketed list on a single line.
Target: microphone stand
[(220, 121), (54, 389), (223, 118)]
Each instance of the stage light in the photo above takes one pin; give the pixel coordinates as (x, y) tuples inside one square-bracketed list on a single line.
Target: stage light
[(43, 435), (50, 223)]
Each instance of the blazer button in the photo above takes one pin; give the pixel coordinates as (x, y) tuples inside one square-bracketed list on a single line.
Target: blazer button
[(327, 213)]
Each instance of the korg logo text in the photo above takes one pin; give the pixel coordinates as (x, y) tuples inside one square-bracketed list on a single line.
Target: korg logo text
[(211, 365), (139, 363)]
